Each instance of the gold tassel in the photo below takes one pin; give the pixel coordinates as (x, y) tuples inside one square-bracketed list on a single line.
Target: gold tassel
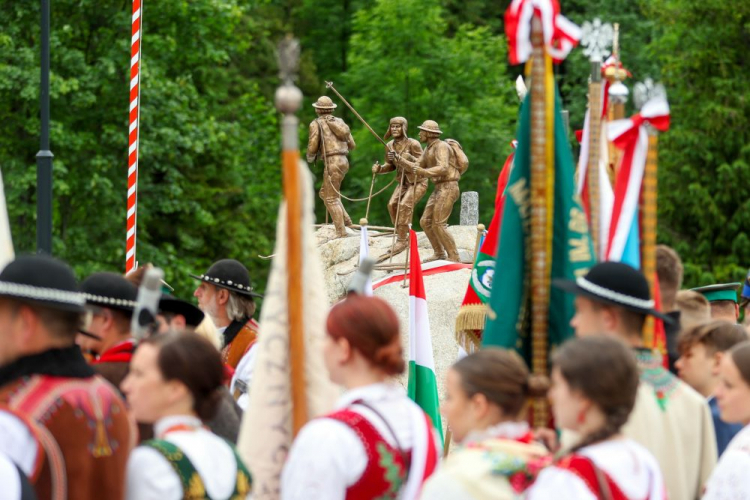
[(471, 317)]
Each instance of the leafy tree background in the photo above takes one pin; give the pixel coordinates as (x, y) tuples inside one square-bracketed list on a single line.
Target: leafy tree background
[(209, 167)]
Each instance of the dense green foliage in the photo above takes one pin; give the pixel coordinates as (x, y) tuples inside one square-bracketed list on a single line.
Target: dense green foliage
[(209, 182)]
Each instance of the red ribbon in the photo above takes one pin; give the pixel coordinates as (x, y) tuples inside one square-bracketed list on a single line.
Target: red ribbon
[(660, 123), (560, 35)]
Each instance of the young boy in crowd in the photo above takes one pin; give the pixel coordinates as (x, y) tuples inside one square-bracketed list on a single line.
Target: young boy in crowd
[(701, 348)]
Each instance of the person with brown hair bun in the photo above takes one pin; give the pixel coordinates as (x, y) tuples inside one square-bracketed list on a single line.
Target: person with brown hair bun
[(594, 386), (486, 395), (730, 478), (175, 382), (378, 444)]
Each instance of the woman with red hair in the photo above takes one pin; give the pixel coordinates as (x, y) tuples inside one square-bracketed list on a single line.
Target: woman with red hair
[(377, 443)]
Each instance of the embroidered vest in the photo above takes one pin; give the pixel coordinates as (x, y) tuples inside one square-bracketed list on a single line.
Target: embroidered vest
[(586, 470), (240, 344), (192, 484), (386, 469), (84, 432)]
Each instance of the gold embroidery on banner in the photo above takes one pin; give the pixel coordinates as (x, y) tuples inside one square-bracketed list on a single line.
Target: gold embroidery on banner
[(519, 191)]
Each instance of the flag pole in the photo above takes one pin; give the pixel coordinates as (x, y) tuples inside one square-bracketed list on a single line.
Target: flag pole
[(288, 101), (648, 209), (597, 37), (134, 128), (648, 228), (618, 95), (478, 243), (542, 177)]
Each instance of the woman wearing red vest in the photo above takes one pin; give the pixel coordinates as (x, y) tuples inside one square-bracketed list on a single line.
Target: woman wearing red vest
[(594, 386), (378, 444)]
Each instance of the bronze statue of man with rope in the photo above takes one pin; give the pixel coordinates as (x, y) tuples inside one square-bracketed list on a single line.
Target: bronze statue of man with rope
[(331, 140), (410, 188)]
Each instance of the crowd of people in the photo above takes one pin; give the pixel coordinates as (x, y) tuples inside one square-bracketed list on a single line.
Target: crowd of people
[(89, 411)]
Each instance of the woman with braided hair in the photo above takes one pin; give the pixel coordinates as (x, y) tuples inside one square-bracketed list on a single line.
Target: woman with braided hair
[(594, 386)]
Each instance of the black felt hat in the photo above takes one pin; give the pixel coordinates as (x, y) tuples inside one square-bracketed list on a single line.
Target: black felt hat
[(110, 290), (229, 274), (42, 280), (617, 284), (170, 304)]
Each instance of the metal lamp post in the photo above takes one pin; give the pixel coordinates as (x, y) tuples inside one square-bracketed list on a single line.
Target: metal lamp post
[(44, 156)]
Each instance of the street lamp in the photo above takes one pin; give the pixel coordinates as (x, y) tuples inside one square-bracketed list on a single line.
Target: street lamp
[(44, 156)]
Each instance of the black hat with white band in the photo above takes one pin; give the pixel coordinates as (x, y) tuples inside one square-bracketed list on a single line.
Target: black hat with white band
[(229, 274), (617, 284), (110, 290), (43, 280)]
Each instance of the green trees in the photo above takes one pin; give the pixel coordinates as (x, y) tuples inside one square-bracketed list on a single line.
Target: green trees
[(209, 170), (704, 195)]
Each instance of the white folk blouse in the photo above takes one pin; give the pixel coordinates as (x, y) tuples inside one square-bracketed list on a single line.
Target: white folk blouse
[(151, 477)]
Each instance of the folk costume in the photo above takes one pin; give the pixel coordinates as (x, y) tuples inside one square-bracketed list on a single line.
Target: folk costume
[(239, 387), (670, 419), (241, 334), (75, 420), (618, 469), (187, 461), (16, 485), (112, 291), (674, 423), (730, 479), (497, 464), (378, 444)]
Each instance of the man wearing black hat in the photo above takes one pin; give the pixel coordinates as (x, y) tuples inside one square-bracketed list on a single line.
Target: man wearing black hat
[(670, 419), (177, 314), (226, 295), (111, 300), (81, 424)]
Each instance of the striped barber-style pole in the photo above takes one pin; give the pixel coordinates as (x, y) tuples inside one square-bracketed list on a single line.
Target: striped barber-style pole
[(133, 136)]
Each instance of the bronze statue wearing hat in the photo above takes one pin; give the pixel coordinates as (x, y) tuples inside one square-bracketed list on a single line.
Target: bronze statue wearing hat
[(407, 193), (438, 163), (331, 140)]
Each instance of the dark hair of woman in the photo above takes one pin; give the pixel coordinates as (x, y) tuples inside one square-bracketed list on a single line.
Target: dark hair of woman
[(604, 370), (371, 327), (502, 377), (194, 361), (741, 358)]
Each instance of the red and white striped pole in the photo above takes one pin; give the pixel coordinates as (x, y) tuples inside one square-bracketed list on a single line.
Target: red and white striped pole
[(133, 136)]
